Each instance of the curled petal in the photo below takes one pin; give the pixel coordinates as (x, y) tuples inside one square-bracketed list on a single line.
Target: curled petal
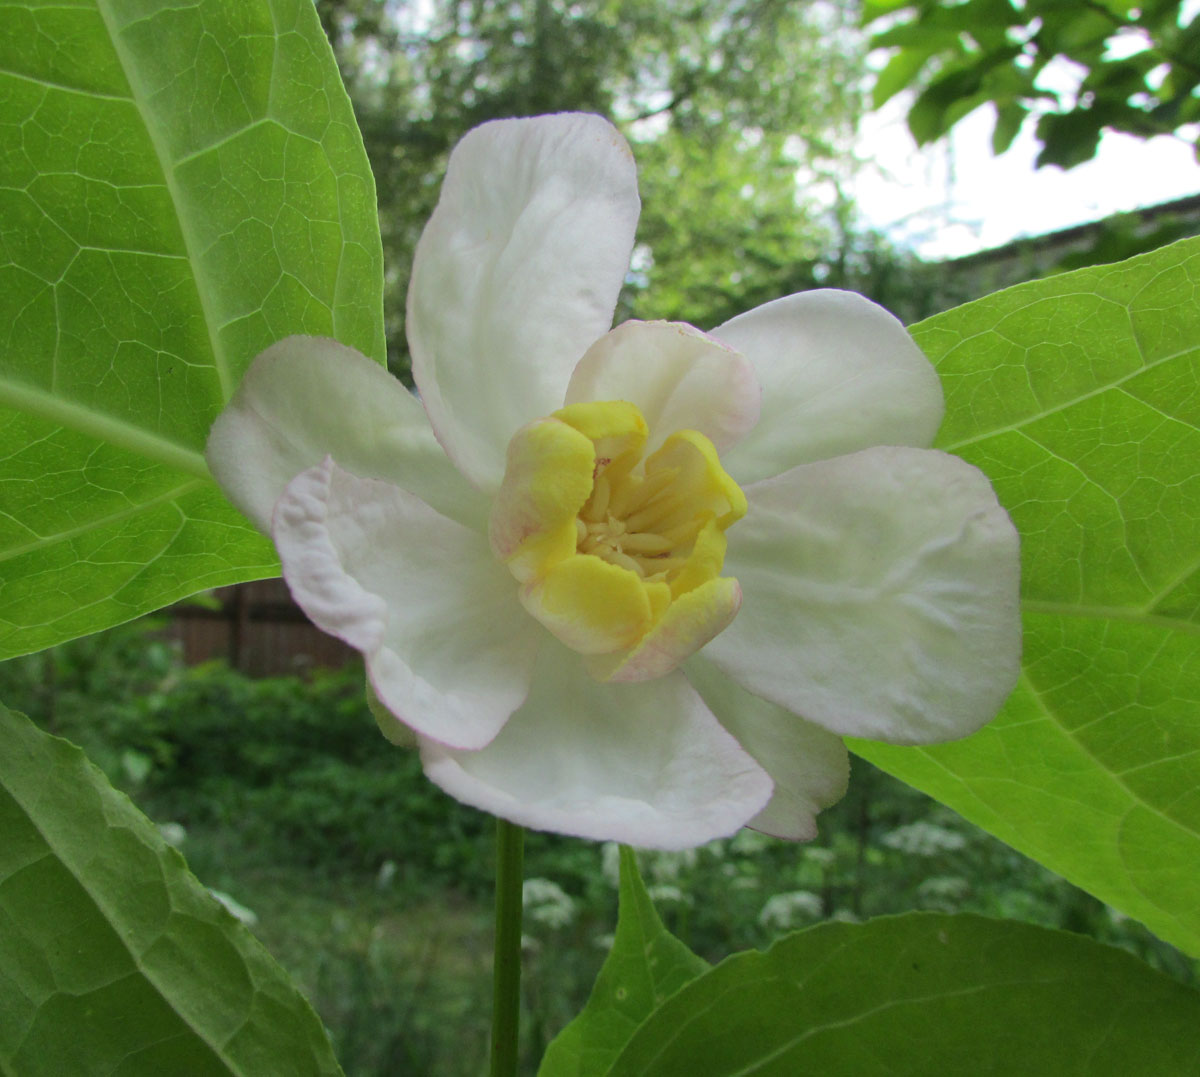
[(516, 274), (699, 483), (880, 596), (679, 378), (706, 560), (687, 624), (306, 398), (447, 647), (643, 764), (809, 765), (548, 478), (838, 374), (591, 605)]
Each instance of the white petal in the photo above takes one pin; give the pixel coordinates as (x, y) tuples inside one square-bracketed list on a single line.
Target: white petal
[(879, 596), (516, 274), (678, 377), (809, 765), (305, 398), (645, 764), (448, 649), (838, 374)]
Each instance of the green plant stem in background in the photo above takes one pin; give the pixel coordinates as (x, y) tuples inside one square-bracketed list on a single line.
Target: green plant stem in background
[(506, 969)]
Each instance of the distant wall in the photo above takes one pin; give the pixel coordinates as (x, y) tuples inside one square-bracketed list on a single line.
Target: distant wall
[(1112, 239)]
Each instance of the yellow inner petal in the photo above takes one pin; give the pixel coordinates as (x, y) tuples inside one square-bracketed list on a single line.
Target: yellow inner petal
[(602, 567), (547, 480)]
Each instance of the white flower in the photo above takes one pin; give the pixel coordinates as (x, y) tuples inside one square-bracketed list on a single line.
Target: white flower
[(541, 561), (924, 839), (547, 903), (782, 912)]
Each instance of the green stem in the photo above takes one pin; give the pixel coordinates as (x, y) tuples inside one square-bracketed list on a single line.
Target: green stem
[(506, 970)]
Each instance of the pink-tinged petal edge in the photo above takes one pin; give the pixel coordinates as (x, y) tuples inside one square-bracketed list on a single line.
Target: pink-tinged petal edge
[(691, 621), (448, 649), (678, 377), (305, 398), (646, 764), (838, 374)]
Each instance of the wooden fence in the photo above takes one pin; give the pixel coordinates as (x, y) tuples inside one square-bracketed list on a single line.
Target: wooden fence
[(256, 628)]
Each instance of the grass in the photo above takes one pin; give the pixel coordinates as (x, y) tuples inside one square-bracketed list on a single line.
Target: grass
[(401, 979)]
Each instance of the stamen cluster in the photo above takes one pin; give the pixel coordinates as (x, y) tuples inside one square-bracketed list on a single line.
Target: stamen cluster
[(639, 525)]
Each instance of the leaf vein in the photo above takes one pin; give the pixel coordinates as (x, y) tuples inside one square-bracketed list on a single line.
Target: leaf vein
[(168, 167), (1066, 404)]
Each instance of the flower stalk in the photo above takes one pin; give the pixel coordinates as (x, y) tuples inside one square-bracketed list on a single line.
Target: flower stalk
[(506, 967)]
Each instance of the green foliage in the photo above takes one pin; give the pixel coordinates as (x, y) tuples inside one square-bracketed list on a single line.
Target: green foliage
[(294, 767), (1078, 396), (179, 188), (645, 966), (372, 888), (106, 934), (95, 690), (401, 983), (920, 994), (1124, 235), (299, 769), (963, 55)]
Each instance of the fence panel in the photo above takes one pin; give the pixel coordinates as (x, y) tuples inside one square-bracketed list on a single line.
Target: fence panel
[(257, 629)]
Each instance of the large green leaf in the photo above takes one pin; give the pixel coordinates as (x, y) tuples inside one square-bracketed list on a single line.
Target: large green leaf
[(1080, 396), (113, 959), (180, 185), (923, 994), (645, 966)]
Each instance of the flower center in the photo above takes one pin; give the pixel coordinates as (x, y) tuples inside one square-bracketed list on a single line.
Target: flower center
[(608, 542), (640, 525)]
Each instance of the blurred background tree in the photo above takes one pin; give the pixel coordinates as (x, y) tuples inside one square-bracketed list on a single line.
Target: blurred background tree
[(742, 114)]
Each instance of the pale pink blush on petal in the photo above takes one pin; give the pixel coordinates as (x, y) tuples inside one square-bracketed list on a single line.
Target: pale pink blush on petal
[(448, 648), (643, 764), (688, 624), (678, 377)]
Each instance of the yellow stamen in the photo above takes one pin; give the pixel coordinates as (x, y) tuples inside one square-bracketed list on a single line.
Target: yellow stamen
[(645, 543)]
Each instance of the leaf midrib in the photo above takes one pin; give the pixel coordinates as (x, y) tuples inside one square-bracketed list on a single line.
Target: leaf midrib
[(104, 427), (756, 1066), (174, 494), (140, 97), (104, 911), (1110, 613)]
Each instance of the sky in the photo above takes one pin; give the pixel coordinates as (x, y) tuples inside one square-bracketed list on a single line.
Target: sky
[(955, 198), (950, 200)]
